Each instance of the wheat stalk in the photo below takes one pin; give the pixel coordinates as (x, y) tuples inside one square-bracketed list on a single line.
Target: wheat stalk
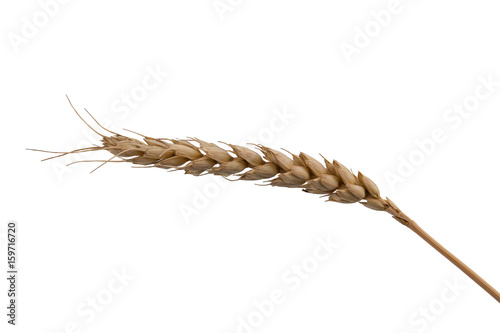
[(328, 179)]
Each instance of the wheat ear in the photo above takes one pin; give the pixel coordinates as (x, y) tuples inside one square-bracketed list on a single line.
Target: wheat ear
[(329, 179)]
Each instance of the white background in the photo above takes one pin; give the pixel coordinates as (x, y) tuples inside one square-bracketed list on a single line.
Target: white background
[(229, 74)]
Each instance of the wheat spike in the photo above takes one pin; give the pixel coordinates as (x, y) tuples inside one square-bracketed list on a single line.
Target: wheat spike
[(197, 157), (328, 179)]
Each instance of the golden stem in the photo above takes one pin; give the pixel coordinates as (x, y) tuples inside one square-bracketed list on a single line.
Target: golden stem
[(457, 262)]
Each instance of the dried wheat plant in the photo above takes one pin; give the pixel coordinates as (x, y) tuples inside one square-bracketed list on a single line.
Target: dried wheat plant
[(329, 179)]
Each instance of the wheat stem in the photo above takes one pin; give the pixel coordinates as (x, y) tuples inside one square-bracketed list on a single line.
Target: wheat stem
[(457, 262)]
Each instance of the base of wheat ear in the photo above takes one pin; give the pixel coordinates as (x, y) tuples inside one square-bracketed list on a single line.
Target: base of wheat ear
[(329, 179)]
